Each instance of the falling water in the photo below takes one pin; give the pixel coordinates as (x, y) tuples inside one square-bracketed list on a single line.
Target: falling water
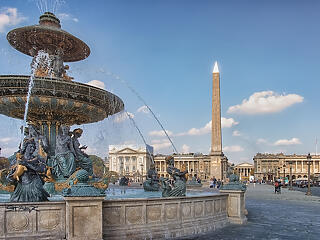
[(144, 140), (144, 102), (41, 58)]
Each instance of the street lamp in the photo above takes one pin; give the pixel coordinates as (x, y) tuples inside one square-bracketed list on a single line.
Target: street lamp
[(290, 164), (309, 163)]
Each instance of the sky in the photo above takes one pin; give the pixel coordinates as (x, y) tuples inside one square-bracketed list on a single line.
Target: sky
[(268, 55)]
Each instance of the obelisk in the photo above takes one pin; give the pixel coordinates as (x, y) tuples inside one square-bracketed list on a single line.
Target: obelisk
[(216, 154)]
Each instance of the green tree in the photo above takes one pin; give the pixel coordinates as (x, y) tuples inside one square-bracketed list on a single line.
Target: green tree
[(4, 163), (98, 165)]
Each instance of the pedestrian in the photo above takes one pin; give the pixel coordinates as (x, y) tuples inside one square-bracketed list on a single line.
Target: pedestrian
[(218, 183), (214, 182), (277, 187)]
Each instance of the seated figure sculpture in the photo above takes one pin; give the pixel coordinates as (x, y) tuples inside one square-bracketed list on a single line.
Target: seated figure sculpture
[(82, 159), (178, 188), (152, 182), (64, 164), (26, 174)]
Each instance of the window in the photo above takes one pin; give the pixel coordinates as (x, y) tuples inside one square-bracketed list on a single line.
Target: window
[(133, 168), (127, 159), (127, 168), (134, 159)]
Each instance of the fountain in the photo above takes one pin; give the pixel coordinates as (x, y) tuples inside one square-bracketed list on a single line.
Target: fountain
[(50, 102)]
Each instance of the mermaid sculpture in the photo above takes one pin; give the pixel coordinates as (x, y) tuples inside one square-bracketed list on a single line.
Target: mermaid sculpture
[(26, 174), (64, 163), (178, 188), (152, 182), (82, 159)]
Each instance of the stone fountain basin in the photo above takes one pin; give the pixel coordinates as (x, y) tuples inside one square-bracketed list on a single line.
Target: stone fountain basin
[(143, 218), (56, 100)]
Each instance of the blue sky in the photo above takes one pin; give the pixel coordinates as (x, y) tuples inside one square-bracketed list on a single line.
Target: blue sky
[(268, 54)]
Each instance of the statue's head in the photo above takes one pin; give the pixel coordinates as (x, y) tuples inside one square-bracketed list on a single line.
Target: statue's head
[(77, 132), (65, 129), (33, 130)]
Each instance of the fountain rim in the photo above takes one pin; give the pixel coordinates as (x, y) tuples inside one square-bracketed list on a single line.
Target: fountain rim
[(101, 96), (22, 30)]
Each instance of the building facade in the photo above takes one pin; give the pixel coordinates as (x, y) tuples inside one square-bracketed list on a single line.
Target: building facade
[(131, 161), (198, 164), (244, 171), (269, 167)]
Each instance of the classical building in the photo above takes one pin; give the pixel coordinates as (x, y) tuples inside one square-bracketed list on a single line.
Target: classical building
[(195, 163), (244, 171), (272, 166), (131, 161)]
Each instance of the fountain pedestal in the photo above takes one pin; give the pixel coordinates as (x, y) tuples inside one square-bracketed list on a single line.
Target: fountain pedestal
[(236, 206), (84, 218)]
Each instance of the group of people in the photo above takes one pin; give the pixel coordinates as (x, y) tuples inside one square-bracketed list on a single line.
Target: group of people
[(214, 183)]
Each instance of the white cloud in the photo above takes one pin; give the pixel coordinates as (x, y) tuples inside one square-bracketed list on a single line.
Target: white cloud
[(96, 83), (234, 148), (287, 142), (262, 141), (228, 122), (160, 144), (67, 17), (122, 116), (225, 123), (160, 133), (7, 139), (9, 17), (265, 102), (185, 148), (236, 133), (143, 109), (8, 151)]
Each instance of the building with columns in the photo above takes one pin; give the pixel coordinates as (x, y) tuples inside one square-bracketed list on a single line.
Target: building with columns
[(269, 167), (244, 171), (131, 161), (198, 164)]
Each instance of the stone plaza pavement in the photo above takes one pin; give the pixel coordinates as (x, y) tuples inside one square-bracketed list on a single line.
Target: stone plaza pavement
[(289, 215)]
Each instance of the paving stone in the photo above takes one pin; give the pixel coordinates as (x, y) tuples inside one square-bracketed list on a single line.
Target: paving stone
[(289, 215)]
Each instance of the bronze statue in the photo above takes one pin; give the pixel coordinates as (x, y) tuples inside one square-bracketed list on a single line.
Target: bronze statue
[(178, 187), (26, 175), (64, 163), (152, 182), (82, 159)]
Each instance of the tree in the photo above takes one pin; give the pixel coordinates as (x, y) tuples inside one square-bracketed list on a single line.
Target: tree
[(4, 163), (98, 165)]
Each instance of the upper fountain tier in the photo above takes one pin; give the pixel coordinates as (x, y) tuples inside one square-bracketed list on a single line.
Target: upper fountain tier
[(49, 37), (54, 98)]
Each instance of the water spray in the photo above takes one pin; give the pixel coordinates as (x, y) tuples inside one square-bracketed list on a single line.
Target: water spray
[(136, 126)]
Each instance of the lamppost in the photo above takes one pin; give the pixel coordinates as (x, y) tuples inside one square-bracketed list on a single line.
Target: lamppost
[(290, 164), (284, 175), (309, 163)]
